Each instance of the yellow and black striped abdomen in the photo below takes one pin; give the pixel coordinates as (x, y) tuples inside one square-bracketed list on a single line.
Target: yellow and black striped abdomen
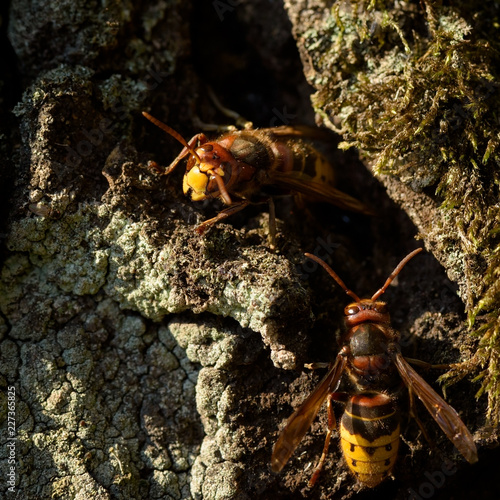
[(369, 436)]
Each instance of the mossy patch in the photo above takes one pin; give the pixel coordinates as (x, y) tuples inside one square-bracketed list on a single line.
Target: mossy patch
[(415, 88)]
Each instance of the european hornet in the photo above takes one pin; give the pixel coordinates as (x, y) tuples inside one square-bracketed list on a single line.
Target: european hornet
[(369, 426), (252, 165)]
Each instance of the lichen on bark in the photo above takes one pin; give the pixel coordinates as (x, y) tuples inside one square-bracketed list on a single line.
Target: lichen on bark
[(99, 252), (148, 361)]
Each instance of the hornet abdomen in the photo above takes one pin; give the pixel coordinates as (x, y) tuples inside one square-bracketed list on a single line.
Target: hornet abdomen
[(369, 434)]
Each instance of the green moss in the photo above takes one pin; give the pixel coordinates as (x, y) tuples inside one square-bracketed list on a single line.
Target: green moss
[(415, 88)]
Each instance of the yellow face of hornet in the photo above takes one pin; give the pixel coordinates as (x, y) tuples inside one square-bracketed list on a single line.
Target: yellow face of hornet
[(195, 184), (207, 174), (200, 182)]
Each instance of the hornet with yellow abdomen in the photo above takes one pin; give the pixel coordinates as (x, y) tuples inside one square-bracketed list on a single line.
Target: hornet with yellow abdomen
[(369, 427), (250, 166)]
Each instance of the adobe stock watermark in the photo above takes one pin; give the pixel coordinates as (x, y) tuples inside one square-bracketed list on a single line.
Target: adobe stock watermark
[(284, 117), (11, 440), (323, 249), (223, 7), (433, 481)]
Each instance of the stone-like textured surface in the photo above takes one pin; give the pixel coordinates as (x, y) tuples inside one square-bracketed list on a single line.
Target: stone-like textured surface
[(100, 251)]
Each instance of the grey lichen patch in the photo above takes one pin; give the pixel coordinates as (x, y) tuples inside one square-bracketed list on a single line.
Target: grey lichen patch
[(158, 356), (93, 249), (165, 483), (80, 266), (105, 396), (213, 382), (82, 425), (81, 489), (87, 488), (213, 477), (220, 481), (226, 385), (87, 370), (91, 367), (209, 344)]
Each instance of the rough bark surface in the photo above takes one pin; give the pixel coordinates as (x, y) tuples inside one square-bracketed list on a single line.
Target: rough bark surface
[(150, 362)]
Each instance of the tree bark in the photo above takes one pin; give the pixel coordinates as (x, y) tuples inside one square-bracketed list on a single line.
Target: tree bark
[(147, 361)]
